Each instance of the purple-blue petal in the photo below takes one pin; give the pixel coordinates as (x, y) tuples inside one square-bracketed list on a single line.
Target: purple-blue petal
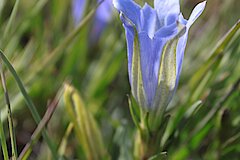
[(78, 8), (171, 19), (129, 32), (183, 40), (167, 31), (182, 20), (197, 11), (148, 20), (165, 8), (154, 28), (102, 17), (130, 9), (104, 11), (151, 52), (147, 59)]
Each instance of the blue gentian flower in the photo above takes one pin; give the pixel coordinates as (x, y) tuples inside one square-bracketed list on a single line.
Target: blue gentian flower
[(156, 40), (78, 8), (102, 17)]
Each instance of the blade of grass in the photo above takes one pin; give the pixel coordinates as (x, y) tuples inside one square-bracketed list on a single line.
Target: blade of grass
[(70, 111), (57, 52), (199, 77), (10, 117), (85, 124), (2, 3), (3, 141), (194, 81), (29, 103), (36, 134), (230, 141), (26, 20), (63, 144), (10, 21), (214, 109)]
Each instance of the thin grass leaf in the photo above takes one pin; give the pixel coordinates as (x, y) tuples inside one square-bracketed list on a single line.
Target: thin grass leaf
[(223, 43), (26, 20), (63, 144), (160, 156), (3, 141), (10, 117), (2, 3), (215, 108), (90, 133), (58, 51), (37, 133), (29, 103), (10, 21)]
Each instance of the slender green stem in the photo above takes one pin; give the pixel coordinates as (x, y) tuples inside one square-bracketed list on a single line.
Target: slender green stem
[(214, 109), (36, 134), (10, 118), (29, 103), (63, 144), (3, 141), (26, 21), (10, 21), (57, 52)]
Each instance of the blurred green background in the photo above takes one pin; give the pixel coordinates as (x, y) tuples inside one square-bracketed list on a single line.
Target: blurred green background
[(40, 44)]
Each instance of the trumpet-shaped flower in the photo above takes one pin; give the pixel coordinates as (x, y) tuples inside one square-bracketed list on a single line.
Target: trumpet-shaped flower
[(156, 40), (102, 17)]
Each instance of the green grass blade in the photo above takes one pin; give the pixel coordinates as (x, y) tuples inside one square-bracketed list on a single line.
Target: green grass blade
[(3, 141), (29, 103), (194, 81), (26, 20), (63, 144), (10, 117), (218, 105), (57, 52), (36, 134), (11, 20), (2, 3)]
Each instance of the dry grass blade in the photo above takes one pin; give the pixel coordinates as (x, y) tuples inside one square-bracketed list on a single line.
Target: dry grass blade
[(37, 133)]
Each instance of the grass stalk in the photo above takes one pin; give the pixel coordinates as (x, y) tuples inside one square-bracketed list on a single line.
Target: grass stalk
[(216, 108), (29, 103), (11, 19), (54, 55), (3, 141), (63, 144), (36, 134), (10, 117)]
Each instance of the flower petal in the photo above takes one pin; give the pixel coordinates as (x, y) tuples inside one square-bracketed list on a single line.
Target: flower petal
[(102, 18), (167, 72), (182, 42), (167, 31), (78, 8), (165, 8), (182, 20), (147, 59), (130, 9), (197, 11), (149, 20), (104, 11), (129, 31)]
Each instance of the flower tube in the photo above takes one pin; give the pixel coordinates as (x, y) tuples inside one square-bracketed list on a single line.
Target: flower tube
[(156, 40)]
